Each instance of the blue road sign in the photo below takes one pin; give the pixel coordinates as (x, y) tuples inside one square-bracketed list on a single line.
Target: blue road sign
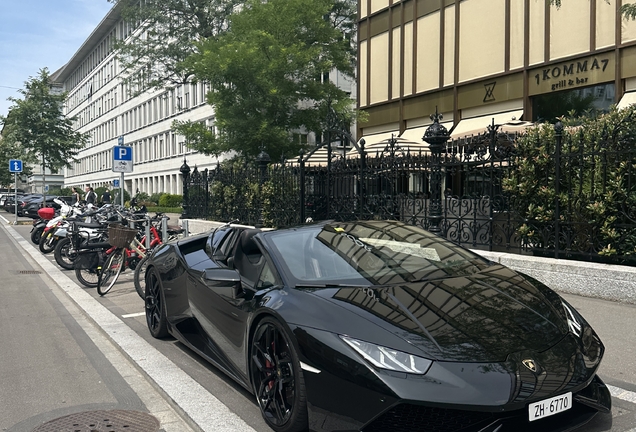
[(15, 165), (122, 159), (120, 140), (116, 183)]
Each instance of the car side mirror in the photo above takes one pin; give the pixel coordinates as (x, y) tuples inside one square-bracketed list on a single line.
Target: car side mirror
[(223, 281)]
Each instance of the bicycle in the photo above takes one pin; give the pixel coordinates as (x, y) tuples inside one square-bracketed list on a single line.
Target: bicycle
[(117, 257), (133, 255)]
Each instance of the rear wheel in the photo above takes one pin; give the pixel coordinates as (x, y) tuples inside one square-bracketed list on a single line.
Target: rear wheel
[(140, 275), (110, 271), (155, 306), (277, 379), (86, 277), (65, 254)]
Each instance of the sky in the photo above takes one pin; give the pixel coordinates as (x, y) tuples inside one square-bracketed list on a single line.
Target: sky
[(37, 34)]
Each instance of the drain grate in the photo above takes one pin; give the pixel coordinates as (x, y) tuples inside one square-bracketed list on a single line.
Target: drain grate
[(102, 421), (29, 272)]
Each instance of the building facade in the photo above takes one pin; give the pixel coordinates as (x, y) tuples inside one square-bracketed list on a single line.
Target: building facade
[(479, 61), (107, 110)]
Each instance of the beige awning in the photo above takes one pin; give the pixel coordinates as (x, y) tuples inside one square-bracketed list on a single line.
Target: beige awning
[(628, 99), (416, 134), (477, 125)]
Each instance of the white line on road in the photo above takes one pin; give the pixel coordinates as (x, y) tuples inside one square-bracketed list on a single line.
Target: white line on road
[(132, 315), (622, 394)]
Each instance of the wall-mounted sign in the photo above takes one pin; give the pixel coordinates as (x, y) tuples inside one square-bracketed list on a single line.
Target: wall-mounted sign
[(571, 74)]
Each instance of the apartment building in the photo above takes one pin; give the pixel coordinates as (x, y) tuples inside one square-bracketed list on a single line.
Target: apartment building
[(479, 61), (107, 110)]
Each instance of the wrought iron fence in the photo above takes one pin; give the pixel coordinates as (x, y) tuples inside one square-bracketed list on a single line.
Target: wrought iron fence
[(399, 183)]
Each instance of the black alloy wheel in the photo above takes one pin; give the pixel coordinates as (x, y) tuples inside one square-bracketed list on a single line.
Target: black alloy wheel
[(155, 307), (277, 379)]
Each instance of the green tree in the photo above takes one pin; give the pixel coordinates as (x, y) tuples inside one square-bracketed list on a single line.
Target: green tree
[(10, 150), (153, 54), (37, 126), (628, 9), (266, 75)]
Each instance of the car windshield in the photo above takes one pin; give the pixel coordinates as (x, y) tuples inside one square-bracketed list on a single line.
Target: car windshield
[(369, 253)]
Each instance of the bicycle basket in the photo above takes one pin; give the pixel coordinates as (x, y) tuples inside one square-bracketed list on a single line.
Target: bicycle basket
[(120, 236)]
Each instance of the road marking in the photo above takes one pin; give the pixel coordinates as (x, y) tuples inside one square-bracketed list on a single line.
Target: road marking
[(132, 315), (622, 394)]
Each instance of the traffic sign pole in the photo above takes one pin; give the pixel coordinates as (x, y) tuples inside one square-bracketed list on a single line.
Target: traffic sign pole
[(15, 166), (15, 200), (121, 188)]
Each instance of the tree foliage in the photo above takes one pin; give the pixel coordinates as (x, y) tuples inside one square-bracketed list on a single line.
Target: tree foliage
[(597, 187), (37, 129), (628, 10), (266, 75), (153, 55)]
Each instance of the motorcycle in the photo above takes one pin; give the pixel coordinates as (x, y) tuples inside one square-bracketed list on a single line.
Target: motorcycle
[(49, 239), (45, 215)]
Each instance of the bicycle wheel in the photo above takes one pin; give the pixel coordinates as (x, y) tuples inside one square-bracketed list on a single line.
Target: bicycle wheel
[(140, 276), (110, 271), (87, 277)]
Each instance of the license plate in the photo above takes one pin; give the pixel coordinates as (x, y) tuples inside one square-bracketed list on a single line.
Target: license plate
[(548, 407)]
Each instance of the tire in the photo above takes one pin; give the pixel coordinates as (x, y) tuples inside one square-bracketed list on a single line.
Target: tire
[(154, 299), (277, 379), (110, 271), (36, 234), (88, 278), (140, 276), (47, 243), (63, 255)]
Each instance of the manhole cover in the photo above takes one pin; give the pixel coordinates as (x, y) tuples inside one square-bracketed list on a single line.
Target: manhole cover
[(102, 421), (29, 272)]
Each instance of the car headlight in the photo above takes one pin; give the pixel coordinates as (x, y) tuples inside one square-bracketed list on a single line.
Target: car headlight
[(388, 358), (581, 329)]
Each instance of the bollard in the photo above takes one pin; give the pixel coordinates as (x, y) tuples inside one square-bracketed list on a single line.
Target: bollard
[(147, 232), (164, 228), (184, 225)]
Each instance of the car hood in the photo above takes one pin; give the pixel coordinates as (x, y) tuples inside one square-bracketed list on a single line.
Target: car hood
[(483, 317)]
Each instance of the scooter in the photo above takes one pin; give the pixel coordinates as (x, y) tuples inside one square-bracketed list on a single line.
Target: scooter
[(48, 240), (45, 215)]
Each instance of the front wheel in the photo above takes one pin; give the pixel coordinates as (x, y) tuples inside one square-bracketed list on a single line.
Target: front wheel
[(277, 379), (154, 299), (110, 271), (36, 234), (140, 275), (65, 254), (48, 242)]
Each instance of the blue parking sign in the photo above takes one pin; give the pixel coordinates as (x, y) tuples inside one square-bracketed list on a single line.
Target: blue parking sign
[(15, 165), (122, 159)]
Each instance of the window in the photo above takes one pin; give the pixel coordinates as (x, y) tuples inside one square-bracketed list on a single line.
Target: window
[(267, 278)]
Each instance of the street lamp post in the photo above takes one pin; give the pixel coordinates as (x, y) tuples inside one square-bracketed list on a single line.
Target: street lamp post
[(436, 136), (185, 173), (262, 159)]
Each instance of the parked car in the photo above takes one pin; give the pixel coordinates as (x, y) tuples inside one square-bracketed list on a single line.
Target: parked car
[(31, 207), (376, 326), (22, 202), (9, 202)]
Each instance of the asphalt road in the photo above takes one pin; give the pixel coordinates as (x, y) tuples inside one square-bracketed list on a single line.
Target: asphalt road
[(64, 350)]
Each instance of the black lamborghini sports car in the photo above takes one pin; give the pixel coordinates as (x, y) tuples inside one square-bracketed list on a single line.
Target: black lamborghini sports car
[(377, 326)]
